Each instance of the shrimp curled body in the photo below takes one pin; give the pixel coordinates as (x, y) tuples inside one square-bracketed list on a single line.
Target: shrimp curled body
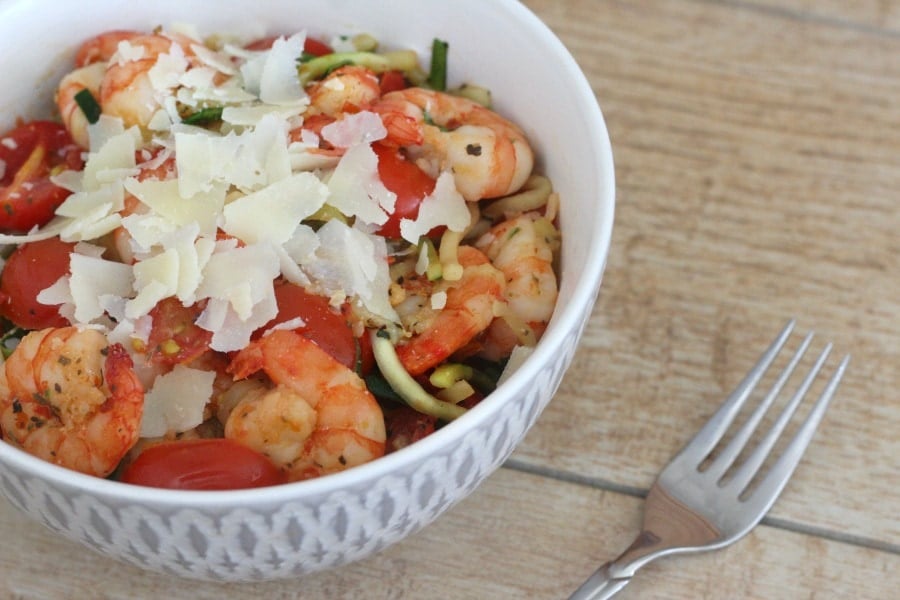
[(319, 418), (523, 249), (488, 155), (70, 398), (467, 311), (348, 89), (116, 68)]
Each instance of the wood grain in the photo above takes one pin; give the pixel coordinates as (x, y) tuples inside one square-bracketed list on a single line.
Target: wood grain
[(757, 149), (518, 536), (757, 175)]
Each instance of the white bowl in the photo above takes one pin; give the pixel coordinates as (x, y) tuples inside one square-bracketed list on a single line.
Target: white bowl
[(298, 528)]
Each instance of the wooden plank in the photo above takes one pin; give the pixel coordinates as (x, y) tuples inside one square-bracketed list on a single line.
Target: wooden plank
[(518, 536), (757, 180), (877, 15)]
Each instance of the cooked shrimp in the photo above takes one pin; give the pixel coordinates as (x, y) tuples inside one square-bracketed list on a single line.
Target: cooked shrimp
[(127, 90), (86, 78), (319, 418), (467, 311), (68, 397), (488, 155), (523, 249), (115, 67), (101, 48), (347, 89)]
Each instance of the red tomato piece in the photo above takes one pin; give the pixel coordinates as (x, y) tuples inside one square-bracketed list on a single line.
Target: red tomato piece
[(316, 47), (175, 338), (405, 426), (29, 154), (202, 464), (391, 81), (323, 324), (29, 269), (408, 181)]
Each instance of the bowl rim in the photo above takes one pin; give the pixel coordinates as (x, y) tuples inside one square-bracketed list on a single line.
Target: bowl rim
[(565, 319)]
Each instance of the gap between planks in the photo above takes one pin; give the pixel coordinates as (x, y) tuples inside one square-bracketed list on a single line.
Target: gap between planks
[(637, 492)]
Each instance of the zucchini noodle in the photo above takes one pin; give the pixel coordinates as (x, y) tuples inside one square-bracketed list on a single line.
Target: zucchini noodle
[(449, 247), (449, 257), (457, 392), (395, 60), (406, 387), (533, 195)]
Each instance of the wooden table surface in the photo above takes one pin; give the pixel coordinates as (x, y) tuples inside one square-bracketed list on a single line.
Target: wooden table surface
[(757, 147)]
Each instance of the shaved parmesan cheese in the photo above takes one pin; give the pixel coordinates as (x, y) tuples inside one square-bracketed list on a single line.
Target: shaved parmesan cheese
[(164, 198), (298, 250), (238, 284), (444, 206), (79, 204), (105, 129), (94, 223), (168, 69), (218, 61), (356, 189), (352, 262), (199, 78), (155, 278), (59, 294), (273, 213), (193, 255), (363, 127), (48, 231), (126, 53), (289, 325), (176, 401), (252, 115), (94, 279), (249, 161), (279, 82)]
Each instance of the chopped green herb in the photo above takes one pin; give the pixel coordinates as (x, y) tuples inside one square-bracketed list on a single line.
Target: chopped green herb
[(88, 105), (10, 340), (380, 388), (437, 77), (204, 116)]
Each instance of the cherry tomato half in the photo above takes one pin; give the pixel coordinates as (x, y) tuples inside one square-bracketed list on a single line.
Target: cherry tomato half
[(202, 464), (408, 181), (391, 81), (323, 324), (30, 269), (29, 153), (175, 338)]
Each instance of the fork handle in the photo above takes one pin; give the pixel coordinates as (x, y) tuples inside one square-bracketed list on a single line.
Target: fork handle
[(600, 585)]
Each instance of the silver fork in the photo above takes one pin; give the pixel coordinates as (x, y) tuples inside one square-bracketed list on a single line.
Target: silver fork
[(693, 506)]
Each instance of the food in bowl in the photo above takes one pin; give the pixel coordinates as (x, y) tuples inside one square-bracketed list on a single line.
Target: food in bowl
[(238, 263)]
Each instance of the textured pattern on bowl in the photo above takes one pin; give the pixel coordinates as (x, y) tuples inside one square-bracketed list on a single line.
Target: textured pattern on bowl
[(300, 528), (299, 536)]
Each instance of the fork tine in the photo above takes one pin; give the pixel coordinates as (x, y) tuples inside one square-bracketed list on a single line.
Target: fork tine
[(727, 457), (707, 438), (764, 496), (745, 473)]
